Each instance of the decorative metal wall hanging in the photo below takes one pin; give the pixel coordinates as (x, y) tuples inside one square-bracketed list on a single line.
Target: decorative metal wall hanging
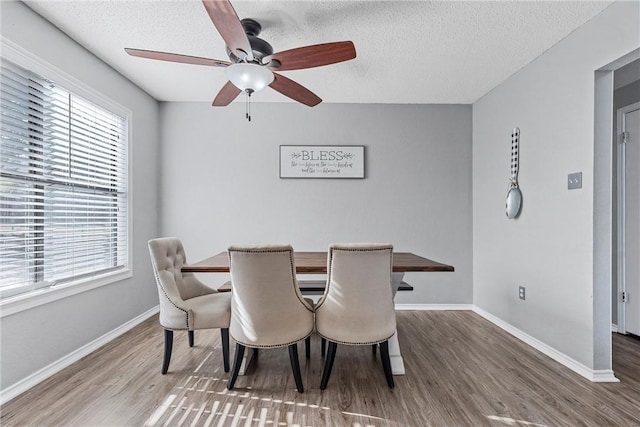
[(514, 195)]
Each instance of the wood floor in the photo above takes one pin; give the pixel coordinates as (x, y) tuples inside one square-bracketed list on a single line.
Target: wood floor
[(461, 371)]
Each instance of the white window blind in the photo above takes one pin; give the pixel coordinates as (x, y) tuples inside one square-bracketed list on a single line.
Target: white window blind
[(63, 185)]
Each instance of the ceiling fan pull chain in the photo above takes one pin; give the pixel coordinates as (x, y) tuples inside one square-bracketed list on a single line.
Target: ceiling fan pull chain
[(248, 104)]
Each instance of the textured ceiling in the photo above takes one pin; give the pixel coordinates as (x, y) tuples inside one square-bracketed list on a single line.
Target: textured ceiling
[(407, 51)]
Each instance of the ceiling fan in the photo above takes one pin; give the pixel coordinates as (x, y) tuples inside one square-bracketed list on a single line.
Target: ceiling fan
[(252, 62)]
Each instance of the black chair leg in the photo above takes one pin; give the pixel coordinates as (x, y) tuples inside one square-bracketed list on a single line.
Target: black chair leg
[(191, 337), (224, 333), (328, 365), (323, 347), (295, 365), (373, 350), (237, 361), (168, 346), (386, 363), (307, 347)]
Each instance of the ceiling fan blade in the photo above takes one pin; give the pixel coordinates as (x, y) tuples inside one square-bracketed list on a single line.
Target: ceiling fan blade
[(294, 90), (225, 19), (228, 93), (176, 57), (312, 56)]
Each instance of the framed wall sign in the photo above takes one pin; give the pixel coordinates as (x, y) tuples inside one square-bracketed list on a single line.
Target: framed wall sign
[(321, 161)]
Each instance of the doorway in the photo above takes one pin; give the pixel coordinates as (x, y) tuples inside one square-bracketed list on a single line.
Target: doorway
[(605, 215), (627, 141)]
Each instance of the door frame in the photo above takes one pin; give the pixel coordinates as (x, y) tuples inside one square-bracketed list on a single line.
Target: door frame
[(604, 231), (621, 225)]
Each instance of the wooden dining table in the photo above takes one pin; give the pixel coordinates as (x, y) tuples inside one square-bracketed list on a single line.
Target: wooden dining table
[(316, 263)]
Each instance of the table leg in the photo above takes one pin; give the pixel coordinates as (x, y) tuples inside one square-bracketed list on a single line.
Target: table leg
[(396, 279), (248, 357), (397, 363)]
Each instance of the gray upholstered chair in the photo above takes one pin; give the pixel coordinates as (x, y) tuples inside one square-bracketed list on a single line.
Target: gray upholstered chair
[(267, 309), (357, 306), (185, 302)]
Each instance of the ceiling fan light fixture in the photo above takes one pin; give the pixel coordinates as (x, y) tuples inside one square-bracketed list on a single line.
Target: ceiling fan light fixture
[(252, 77)]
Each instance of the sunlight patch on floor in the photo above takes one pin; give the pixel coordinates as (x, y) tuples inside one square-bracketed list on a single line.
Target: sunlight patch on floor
[(513, 422), (203, 400), (160, 411), (193, 406)]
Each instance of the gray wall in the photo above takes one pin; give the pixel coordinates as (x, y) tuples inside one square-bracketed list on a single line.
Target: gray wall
[(221, 185), (550, 247), (35, 338)]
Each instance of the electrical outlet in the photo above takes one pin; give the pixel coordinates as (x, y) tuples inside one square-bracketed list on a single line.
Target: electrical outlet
[(521, 292)]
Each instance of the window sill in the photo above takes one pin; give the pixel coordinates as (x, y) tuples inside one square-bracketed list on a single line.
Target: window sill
[(29, 300)]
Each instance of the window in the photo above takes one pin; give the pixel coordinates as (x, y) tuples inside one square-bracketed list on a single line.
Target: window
[(63, 185)]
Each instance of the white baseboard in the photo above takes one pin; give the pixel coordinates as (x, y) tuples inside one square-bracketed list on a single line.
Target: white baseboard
[(614, 327), (590, 374), (25, 384), (401, 307), (574, 365), (603, 376)]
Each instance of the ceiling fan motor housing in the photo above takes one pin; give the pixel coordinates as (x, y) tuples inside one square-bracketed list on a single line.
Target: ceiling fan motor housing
[(259, 47)]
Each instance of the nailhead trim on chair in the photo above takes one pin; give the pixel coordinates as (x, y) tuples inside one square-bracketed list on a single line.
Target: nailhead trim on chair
[(354, 343), (274, 346), (158, 282)]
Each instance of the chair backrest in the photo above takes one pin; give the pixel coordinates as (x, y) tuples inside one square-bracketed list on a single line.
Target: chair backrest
[(357, 306), (267, 309), (174, 287)]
